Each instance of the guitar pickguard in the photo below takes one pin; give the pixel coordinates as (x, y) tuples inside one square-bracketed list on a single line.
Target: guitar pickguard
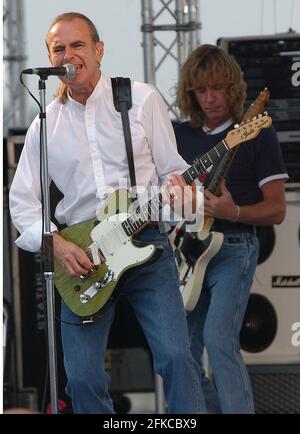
[(86, 295)]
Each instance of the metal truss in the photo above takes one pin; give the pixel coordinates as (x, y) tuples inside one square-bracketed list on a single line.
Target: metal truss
[(171, 30), (15, 114)]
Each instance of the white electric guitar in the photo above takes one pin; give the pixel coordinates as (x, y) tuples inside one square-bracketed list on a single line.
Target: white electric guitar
[(192, 257), (109, 237), (194, 250)]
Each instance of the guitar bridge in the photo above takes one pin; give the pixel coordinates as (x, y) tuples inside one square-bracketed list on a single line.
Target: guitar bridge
[(95, 254), (96, 287)]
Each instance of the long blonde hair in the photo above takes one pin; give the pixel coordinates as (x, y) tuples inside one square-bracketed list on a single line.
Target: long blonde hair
[(62, 90), (209, 63)]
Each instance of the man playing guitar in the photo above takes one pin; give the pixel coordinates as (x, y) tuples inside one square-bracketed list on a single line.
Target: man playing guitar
[(211, 95)]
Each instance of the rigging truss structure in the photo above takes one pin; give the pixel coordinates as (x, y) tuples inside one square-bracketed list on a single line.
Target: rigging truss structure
[(14, 57), (171, 30)]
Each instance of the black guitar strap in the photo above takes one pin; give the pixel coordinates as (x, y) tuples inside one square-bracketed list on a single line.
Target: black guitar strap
[(121, 88)]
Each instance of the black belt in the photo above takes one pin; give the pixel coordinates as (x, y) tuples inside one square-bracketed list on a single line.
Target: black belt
[(232, 228)]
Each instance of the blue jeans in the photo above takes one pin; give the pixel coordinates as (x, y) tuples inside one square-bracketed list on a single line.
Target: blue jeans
[(216, 321), (153, 292)]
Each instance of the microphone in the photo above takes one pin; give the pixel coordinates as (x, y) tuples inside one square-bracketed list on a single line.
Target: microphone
[(67, 71)]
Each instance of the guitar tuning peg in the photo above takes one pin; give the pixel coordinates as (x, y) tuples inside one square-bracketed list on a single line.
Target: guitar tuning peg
[(266, 113), (260, 115), (236, 126), (254, 119)]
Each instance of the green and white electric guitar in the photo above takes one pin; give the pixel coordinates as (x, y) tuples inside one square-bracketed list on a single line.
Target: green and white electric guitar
[(108, 238)]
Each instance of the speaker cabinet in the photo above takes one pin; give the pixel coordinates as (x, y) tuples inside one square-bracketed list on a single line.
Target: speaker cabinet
[(269, 61), (276, 388), (274, 304), (28, 383)]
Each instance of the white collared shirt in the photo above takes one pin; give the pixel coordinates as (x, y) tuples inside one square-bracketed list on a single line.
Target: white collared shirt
[(87, 154)]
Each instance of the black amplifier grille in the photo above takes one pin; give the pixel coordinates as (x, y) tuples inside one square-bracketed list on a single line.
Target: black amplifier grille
[(276, 388), (268, 61)]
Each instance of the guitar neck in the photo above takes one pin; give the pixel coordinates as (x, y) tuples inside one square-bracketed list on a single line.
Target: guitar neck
[(143, 214), (214, 184), (153, 206), (221, 171), (203, 163)]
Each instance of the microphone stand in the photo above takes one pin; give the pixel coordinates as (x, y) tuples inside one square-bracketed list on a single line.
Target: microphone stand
[(47, 254)]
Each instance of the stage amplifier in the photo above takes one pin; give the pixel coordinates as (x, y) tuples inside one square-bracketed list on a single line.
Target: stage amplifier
[(131, 367), (273, 314), (276, 388), (273, 61), (29, 386)]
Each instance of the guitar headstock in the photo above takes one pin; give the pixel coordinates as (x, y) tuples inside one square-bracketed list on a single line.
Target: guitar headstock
[(248, 131), (257, 106)]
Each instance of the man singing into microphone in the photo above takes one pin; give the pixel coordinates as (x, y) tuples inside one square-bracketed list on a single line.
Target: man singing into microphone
[(86, 153)]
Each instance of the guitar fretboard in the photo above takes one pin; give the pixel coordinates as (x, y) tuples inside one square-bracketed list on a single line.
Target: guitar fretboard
[(152, 207), (143, 214), (219, 174), (202, 164)]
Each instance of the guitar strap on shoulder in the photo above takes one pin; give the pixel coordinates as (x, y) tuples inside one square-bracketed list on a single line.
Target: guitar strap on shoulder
[(121, 88)]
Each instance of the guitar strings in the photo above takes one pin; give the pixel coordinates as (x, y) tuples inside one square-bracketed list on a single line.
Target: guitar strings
[(119, 230)]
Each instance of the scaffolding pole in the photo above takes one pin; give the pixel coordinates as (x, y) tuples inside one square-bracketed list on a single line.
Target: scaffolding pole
[(15, 113), (171, 30)]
